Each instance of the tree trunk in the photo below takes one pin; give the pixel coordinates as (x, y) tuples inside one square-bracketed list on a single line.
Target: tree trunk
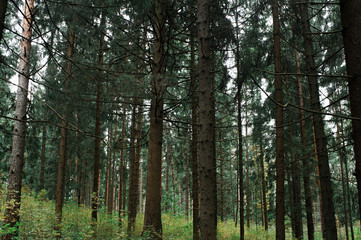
[(63, 137), (121, 166), (3, 6), (152, 215), (194, 96), (280, 171), (305, 165), (221, 201), (138, 169), (350, 18), (96, 173), (42, 165), (13, 197), (263, 182), (133, 177), (248, 191), (327, 207), (208, 186), (188, 175)]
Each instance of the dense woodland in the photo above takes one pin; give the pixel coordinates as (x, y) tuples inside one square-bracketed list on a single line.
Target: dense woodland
[(221, 119)]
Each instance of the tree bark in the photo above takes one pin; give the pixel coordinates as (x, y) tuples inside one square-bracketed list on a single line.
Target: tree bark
[(121, 166), (280, 172), (97, 133), (194, 96), (351, 24), (63, 137), (3, 7), (42, 165), (208, 186), (221, 200), (327, 206), (13, 198), (264, 197), (152, 215)]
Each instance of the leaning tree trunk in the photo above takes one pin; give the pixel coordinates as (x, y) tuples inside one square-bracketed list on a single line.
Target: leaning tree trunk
[(13, 197), (327, 207), (152, 215), (280, 168), (350, 18), (208, 186)]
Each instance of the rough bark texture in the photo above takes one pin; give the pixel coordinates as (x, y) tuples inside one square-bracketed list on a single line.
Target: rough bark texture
[(3, 6), (264, 197), (195, 179), (13, 197), (138, 152), (221, 189), (42, 165), (327, 209), (208, 186), (351, 24), (152, 215), (63, 137), (97, 133), (280, 172)]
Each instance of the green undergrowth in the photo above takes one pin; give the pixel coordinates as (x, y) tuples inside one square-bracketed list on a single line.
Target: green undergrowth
[(38, 219)]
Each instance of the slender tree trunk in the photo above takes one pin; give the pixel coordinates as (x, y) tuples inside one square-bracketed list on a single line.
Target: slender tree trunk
[(167, 159), (133, 181), (232, 190), (188, 176), (63, 137), (112, 172), (13, 197), (208, 186), (152, 215), (42, 165), (321, 141), (96, 173), (173, 181), (305, 165), (263, 182), (248, 191), (350, 15), (280, 171), (138, 152), (221, 201), (194, 96), (3, 7), (121, 166)]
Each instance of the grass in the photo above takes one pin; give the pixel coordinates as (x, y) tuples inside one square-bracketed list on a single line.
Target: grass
[(38, 219)]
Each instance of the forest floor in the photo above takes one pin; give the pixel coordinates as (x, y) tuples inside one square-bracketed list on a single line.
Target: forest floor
[(38, 219)]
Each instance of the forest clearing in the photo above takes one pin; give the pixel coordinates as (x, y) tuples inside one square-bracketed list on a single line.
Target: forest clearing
[(180, 119)]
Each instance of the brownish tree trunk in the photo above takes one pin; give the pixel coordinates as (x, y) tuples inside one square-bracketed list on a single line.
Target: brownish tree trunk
[(194, 96), (97, 133), (280, 171), (3, 6), (248, 191), (121, 166), (350, 15), (112, 172), (188, 176), (13, 197), (152, 215), (327, 206), (42, 165), (208, 186), (63, 137), (138, 153), (107, 171), (133, 181), (305, 165)]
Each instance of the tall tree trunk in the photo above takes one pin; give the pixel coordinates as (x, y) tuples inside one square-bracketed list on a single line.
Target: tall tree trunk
[(138, 152), (167, 162), (96, 173), (133, 181), (221, 201), (208, 186), (280, 171), (350, 18), (112, 172), (263, 182), (188, 175), (121, 166), (42, 165), (305, 165), (13, 197), (63, 137), (327, 207), (248, 191), (152, 215), (194, 96)]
